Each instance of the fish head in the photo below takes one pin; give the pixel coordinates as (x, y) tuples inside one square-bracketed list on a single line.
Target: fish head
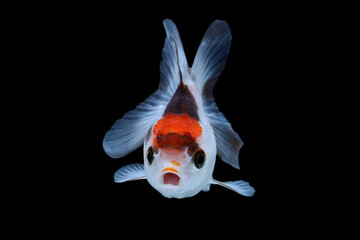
[(180, 171)]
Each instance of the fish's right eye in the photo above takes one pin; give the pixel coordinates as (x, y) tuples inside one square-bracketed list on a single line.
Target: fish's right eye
[(150, 155)]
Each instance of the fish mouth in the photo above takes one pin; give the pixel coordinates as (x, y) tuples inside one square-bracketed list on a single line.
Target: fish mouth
[(171, 178)]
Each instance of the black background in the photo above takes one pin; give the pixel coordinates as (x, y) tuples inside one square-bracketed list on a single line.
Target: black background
[(96, 63)]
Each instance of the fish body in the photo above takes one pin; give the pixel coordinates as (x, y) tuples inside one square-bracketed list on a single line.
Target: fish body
[(180, 126)]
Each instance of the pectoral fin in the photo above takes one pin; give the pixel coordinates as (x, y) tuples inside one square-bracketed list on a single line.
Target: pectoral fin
[(241, 187), (130, 172)]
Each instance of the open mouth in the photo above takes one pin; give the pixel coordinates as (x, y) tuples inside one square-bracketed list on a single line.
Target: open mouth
[(171, 178)]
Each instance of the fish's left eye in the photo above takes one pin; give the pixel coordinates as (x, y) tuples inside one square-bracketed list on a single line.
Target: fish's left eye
[(199, 159)]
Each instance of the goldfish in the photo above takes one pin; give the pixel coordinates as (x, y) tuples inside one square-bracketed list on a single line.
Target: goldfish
[(180, 126)]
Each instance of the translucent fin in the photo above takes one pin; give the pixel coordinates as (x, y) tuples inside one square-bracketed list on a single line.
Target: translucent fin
[(241, 187), (211, 57), (128, 133), (130, 173), (209, 61), (228, 142), (173, 59)]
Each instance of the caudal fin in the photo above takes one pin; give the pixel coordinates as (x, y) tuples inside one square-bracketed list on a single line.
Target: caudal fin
[(209, 61), (128, 133), (211, 57)]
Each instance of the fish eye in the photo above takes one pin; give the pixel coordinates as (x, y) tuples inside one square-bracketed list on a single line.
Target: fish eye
[(150, 155), (199, 159)]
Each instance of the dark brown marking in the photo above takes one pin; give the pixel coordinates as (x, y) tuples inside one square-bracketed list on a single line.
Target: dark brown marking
[(177, 141), (183, 102)]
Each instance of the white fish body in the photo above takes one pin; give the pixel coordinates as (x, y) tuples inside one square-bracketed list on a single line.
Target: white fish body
[(180, 126)]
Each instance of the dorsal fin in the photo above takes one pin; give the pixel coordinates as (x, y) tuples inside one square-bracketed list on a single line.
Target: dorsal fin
[(177, 58), (174, 66)]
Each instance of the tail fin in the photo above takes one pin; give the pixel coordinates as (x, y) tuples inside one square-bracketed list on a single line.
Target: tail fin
[(211, 57), (209, 61), (128, 133)]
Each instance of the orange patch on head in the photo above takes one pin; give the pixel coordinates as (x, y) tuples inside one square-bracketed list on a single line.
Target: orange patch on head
[(176, 163), (178, 123), (181, 124)]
